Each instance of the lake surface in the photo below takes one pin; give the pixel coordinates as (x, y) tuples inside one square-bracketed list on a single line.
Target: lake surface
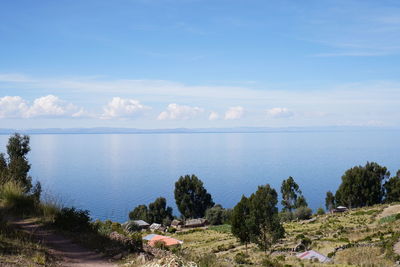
[(110, 174)]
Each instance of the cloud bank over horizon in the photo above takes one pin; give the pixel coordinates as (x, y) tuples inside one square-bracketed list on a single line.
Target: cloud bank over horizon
[(160, 104)]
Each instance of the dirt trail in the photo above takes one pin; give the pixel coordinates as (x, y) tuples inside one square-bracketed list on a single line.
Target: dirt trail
[(394, 209), (72, 255)]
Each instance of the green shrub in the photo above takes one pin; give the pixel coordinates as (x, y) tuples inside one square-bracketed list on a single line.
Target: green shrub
[(217, 215), (242, 258), (320, 211), (286, 216), (207, 260), (16, 201), (224, 228), (171, 230), (136, 241), (72, 219), (302, 213), (131, 227), (107, 227), (390, 218), (365, 212), (49, 208), (300, 236), (268, 262)]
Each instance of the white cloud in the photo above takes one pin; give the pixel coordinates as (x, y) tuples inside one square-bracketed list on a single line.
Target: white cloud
[(12, 107), (213, 116), (122, 107), (319, 104), (17, 107), (82, 113), (179, 112), (280, 113), (234, 113), (50, 106)]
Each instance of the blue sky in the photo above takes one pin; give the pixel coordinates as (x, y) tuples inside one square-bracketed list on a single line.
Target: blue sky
[(198, 63)]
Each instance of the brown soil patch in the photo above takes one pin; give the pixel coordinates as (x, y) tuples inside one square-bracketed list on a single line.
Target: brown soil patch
[(394, 209), (71, 254)]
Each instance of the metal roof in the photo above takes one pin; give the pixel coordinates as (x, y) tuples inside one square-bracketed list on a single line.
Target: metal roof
[(141, 223), (311, 254)]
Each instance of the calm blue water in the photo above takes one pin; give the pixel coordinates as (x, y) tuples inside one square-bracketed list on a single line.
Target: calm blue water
[(111, 174)]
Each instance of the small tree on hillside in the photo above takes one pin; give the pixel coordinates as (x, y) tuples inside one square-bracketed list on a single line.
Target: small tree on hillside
[(216, 215), (362, 186), (141, 212), (16, 168), (301, 202), (329, 201), (267, 226), (241, 222), (290, 191), (159, 212), (192, 199), (392, 188)]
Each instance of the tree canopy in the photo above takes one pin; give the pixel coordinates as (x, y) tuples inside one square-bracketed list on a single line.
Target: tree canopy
[(217, 215), (292, 197), (157, 212), (267, 228), (362, 186), (392, 188), (140, 212), (256, 218), (192, 199), (241, 221), (329, 201), (15, 167)]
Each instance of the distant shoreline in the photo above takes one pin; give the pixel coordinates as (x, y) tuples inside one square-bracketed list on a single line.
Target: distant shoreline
[(104, 130)]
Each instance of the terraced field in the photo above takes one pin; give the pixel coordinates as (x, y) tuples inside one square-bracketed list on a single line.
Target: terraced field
[(358, 237)]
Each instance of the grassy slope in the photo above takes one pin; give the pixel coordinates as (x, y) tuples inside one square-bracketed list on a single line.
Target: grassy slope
[(327, 232)]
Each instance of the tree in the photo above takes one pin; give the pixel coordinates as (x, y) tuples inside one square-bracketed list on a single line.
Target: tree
[(290, 191), (216, 215), (191, 197), (362, 186), (392, 188), (301, 202), (320, 211), (241, 221), (302, 213), (158, 211), (3, 168), (292, 197), (141, 212), (267, 228), (18, 165), (329, 201)]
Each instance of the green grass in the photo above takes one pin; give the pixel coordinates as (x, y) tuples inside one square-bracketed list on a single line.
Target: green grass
[(390, 218), (14, 200), (224, 228)]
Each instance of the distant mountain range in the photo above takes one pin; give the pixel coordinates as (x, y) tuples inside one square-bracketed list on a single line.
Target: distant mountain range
[(105, 130)]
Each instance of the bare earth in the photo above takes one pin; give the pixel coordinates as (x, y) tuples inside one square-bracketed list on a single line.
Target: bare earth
[(71, 254), (394, 209)]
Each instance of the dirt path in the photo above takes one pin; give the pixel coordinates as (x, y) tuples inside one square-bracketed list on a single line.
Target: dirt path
[(72, 255), (389, 211)]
